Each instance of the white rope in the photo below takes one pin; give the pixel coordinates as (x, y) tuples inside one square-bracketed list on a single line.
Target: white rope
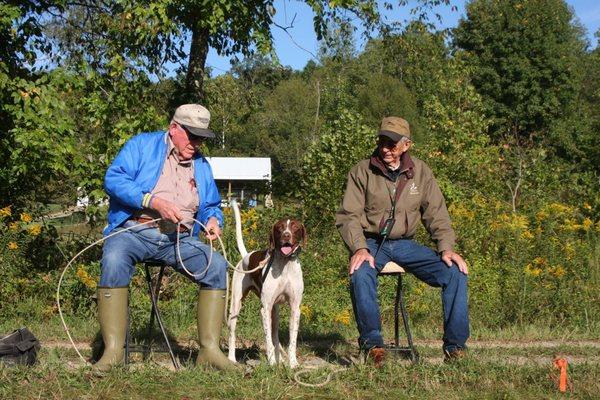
[(315, 385)]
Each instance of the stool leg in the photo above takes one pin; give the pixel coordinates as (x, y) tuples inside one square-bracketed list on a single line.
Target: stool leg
[(396, 312), (413, 351), (148, 347), (158, 319)]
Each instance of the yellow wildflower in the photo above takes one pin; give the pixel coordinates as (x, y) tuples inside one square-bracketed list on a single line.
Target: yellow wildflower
[(85, 278), (532, 271), (13, 226), (306, 311), (569, 251), (587, 206), (557, 208), (13, 245), (35, 230), (570, 225), (540, 261), (343, 317), (541, 215), (519, 222), (558, 271), (587, 224), (5, 212), (527, 235), (26, 218)]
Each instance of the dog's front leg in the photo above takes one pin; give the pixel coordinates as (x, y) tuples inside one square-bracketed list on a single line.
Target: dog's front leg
[(265, 312), (279, 352), (294, 324)]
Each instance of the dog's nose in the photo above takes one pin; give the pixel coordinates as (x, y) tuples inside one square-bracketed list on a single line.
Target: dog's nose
[(287, 235)]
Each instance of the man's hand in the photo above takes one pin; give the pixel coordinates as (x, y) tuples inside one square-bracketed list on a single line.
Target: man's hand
[(213, 230), (358, 258), (448, 256), (166, 209)]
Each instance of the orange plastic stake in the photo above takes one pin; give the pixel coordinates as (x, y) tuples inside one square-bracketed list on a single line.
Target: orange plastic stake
[(561, 364)]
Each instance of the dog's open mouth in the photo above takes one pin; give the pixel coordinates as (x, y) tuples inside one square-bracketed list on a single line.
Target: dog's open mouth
[(287, 249)]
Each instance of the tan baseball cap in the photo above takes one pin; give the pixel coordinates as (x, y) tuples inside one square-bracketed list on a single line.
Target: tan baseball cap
[(194, 118), (395, 128)]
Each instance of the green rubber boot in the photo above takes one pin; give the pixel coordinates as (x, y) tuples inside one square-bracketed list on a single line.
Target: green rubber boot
[(211, 304), (112, 314)]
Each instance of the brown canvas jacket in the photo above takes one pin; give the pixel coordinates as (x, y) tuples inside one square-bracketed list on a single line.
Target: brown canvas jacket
[(368, 200)]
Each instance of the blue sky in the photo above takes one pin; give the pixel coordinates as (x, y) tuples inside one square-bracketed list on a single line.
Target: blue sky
[(295, 53)]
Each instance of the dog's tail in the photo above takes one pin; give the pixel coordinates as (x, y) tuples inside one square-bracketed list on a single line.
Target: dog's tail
[(238, 229)]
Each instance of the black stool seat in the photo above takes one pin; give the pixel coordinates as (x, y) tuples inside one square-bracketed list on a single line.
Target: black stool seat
[(153, 292), (393, 269)]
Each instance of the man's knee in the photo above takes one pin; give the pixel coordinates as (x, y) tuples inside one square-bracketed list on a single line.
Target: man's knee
[(456, 276), (215, 276), (117, 267), (114, 273), (363, 275)]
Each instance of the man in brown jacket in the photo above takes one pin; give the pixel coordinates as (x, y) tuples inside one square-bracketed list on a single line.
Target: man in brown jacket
[(385, 197)]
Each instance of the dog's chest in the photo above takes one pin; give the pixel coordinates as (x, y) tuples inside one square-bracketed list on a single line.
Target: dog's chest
[(283, 280)]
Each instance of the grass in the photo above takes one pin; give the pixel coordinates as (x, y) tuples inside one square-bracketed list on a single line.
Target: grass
[(480, 376), (502, 365)]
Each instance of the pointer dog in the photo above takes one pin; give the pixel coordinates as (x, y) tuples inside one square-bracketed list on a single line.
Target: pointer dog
[(278, 281)]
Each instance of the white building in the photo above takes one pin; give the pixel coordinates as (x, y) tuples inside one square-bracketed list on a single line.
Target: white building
[(238, 177)]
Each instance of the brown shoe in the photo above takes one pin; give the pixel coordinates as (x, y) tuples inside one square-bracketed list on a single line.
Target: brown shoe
[(377, 356), (455, 355)]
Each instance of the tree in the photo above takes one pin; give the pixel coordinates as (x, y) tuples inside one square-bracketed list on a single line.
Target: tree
[(383, 95), (151, 33), (525, 55)]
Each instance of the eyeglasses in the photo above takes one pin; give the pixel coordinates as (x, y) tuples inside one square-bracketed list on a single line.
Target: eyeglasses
[(387, 143), (191, 137), (390, 144)]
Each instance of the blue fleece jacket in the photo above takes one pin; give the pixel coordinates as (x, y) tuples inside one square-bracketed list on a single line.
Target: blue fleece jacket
[(135, 172)]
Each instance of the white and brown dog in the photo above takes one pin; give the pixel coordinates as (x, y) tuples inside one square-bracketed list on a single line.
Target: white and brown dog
[(278, 281)]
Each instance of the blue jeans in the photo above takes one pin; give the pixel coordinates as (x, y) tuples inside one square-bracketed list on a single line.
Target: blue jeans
[(122, 252), (427, 266)]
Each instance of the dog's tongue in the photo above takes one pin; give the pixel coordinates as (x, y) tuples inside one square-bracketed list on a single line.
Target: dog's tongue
[(286, 250)]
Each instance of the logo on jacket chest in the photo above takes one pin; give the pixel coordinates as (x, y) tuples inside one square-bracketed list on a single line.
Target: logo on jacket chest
[(413, 189)]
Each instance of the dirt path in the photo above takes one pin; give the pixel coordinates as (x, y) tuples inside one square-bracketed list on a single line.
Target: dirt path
[(474, 344)]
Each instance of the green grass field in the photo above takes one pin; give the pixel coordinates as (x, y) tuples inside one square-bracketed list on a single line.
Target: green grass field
[(515, 364), (492, 371)]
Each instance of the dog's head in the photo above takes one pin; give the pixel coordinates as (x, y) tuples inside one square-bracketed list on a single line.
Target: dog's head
[(288, 236)]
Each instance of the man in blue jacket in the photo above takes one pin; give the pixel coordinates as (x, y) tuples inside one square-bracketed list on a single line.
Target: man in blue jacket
[(162, 175)]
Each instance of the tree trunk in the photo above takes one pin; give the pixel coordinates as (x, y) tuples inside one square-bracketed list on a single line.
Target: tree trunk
[(194, 80)]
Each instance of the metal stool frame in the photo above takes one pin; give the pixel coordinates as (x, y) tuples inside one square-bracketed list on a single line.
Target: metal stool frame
[(154, 293), (400, 308)]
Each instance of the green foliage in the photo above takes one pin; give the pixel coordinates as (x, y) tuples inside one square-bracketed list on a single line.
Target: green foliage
[(343, 143), (525, 55), (418, 57), (383, 95), (40, 146)]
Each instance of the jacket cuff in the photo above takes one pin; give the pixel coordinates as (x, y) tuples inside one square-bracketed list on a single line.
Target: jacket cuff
[(359, 244), (443, 246)]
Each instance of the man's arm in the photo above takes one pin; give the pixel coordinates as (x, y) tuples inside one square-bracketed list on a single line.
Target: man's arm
[(119, 178), (436, 219), (348, 223)]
